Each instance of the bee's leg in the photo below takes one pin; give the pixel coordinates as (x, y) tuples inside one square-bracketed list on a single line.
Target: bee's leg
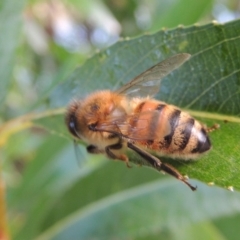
[(212, 128), (110, 154), (115, 146), (174, 172), (156, 163), (93, 149)]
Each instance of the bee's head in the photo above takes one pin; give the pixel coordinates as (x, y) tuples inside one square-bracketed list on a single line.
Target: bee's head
[(83, 115), (86, 119)]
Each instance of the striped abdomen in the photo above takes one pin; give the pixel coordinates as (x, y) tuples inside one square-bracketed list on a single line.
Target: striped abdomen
[(168, 130)]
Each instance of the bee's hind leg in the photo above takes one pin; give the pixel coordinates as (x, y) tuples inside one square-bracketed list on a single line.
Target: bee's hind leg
[(157, 164), (172, 171)]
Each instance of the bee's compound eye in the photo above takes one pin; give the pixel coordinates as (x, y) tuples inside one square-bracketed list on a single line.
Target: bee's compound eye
[(72, 126), (72, 123)]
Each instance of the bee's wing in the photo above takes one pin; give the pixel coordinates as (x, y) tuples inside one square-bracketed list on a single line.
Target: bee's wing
[(148, 82)]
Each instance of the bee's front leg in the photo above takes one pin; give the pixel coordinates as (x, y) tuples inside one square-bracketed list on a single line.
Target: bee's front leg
[(112, 155)]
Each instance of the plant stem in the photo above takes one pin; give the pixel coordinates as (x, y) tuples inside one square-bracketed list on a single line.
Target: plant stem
[(3, 215)]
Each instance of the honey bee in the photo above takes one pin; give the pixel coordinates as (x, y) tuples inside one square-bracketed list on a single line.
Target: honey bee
[(112, 121)]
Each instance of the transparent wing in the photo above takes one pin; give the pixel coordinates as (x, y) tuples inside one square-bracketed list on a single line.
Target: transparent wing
[(148, 82)]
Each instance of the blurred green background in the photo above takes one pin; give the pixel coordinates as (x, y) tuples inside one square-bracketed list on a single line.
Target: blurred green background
[(48, 195)]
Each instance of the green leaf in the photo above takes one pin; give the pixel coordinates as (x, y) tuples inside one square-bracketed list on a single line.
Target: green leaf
[(54, 186), (150, 208), (103, 181), (228, 226), (53, 170), (204, 230), (10, 23), (207, 86), (211, 75)]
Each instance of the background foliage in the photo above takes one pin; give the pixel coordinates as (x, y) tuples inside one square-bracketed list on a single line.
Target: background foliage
[(48, 195)]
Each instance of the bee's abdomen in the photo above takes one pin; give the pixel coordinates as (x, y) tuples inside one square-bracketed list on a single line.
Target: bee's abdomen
[(170, 130)]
